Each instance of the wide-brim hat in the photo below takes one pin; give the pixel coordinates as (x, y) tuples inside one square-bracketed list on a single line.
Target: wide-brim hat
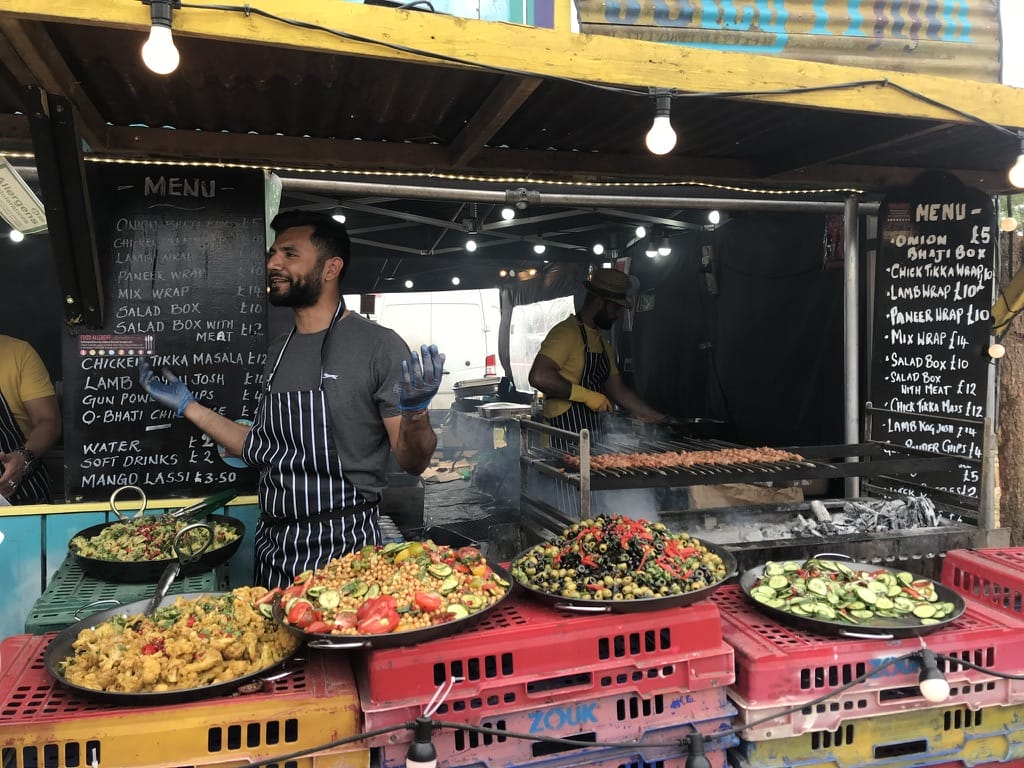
[(610, 284)]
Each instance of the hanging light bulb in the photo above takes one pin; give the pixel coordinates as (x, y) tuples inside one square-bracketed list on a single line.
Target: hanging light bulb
[(539, 248), (456, 280), (508, 213), (503, 273), (339, 217), (16, 235), (1016, 174), (641, 232), (996, 351), (665, 248), (598, 248), (1008, 224), (714, 217), (651, 250), (532, 271), (934, 686), (470, 244), (408, 283), (661, 138), (158, 52)]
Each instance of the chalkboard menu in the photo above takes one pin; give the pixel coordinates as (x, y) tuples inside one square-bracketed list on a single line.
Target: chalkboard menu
[(933, 295), (182, 252)]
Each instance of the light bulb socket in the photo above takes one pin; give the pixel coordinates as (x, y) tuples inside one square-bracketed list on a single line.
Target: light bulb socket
[(160, 11), (662, 102), (421, 752), (696, 757)]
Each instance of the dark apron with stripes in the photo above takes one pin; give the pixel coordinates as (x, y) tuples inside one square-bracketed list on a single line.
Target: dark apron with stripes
[(34, 488), (310, 511), (596, 368)]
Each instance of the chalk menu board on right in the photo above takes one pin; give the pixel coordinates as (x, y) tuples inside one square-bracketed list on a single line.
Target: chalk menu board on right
[(933, 295)]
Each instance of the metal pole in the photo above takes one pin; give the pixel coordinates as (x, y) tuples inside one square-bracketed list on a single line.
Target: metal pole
[(851, 339), (500, 196)]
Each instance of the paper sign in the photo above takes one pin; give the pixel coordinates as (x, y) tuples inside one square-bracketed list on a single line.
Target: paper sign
[(19, 206)]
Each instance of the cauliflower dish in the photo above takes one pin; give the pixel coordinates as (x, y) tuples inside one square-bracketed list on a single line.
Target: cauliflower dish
[(187, 644)]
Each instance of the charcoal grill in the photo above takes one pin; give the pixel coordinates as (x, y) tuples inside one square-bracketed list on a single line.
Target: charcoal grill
[(553, 497)]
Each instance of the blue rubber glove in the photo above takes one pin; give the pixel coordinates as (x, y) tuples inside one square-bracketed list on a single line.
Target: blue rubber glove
[(168, 391), (420, 382)]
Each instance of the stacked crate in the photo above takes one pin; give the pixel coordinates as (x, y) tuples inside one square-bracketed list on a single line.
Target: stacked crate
[(44, 725), (72, 595), (883, 720), (993, 576), (635, 685)]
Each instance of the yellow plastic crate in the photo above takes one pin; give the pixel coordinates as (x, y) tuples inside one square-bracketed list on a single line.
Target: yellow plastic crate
[(44, 725), (904, 740)]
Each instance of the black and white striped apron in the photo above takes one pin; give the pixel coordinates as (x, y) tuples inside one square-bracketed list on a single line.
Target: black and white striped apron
[(34, 488), (596, 368), (310, 511)]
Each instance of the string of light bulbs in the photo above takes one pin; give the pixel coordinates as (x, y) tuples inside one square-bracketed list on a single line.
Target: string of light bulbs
[(422, 754), (660, 139)]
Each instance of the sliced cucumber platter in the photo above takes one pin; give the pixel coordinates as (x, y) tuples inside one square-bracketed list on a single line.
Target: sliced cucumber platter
[(856, 596)]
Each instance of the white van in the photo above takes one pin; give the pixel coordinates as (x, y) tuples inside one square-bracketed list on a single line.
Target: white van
[(463, 325)]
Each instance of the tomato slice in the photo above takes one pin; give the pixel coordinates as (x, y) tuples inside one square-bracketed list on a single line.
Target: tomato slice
[(427, 601), (301, 614), (378, 625), (320, 628)]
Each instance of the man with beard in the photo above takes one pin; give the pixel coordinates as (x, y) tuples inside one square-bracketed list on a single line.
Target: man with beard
[(339, 392), (575, 367)]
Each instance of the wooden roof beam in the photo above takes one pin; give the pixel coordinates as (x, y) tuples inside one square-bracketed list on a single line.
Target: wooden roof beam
[(498, 107), (35, 48)]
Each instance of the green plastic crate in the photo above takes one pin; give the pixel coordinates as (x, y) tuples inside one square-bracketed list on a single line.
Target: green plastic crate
[(72, 595)]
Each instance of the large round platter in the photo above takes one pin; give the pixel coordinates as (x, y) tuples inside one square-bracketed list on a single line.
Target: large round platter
[(881, 627), (150, 570), (60, 648), (394, 639), (583, 605)]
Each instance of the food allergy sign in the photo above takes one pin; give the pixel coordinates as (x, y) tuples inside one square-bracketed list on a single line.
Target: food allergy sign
[(933, 296), (182, 254)]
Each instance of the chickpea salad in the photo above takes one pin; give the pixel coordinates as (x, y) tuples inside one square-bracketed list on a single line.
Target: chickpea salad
[(144, 539), (399, 587), (617, 558)]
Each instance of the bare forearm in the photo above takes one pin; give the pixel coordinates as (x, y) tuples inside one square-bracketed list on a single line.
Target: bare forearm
[(546, 376), (221, 429), (416, 442)]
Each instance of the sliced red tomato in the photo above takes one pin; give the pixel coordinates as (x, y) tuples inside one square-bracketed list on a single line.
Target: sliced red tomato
[(469, 553), (320, 628), (427, 601), (295, 590), (269, 597), (345, 620), (378, 625), (301, 614)]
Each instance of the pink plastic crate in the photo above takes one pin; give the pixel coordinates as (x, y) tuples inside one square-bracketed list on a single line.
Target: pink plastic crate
[(524, 652), (659, 724), (43, 723), (778, 666), (993, 576)]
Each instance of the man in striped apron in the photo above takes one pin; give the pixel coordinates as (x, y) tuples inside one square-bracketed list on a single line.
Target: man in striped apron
[(340, 394), (575, 368), (29, 423)]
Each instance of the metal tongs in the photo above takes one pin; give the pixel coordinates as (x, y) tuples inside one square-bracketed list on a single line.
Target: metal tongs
[(200, 508), (185, 558)]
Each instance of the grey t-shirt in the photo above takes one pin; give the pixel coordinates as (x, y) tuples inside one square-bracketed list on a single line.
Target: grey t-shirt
[(362, 368)]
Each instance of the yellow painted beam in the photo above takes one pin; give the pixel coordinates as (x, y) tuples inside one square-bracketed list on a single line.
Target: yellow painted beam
[(554, 53), (32, 510)]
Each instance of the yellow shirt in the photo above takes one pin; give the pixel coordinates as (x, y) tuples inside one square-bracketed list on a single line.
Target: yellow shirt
[(23, 377), (564, 345)]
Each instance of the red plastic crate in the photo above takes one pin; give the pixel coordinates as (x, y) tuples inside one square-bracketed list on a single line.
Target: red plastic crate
[(44, 724), (524, 652), (659, 725), (993, 576), (778, 666)]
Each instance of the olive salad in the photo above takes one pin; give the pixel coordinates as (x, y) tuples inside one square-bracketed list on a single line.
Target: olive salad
[(611, 557)]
